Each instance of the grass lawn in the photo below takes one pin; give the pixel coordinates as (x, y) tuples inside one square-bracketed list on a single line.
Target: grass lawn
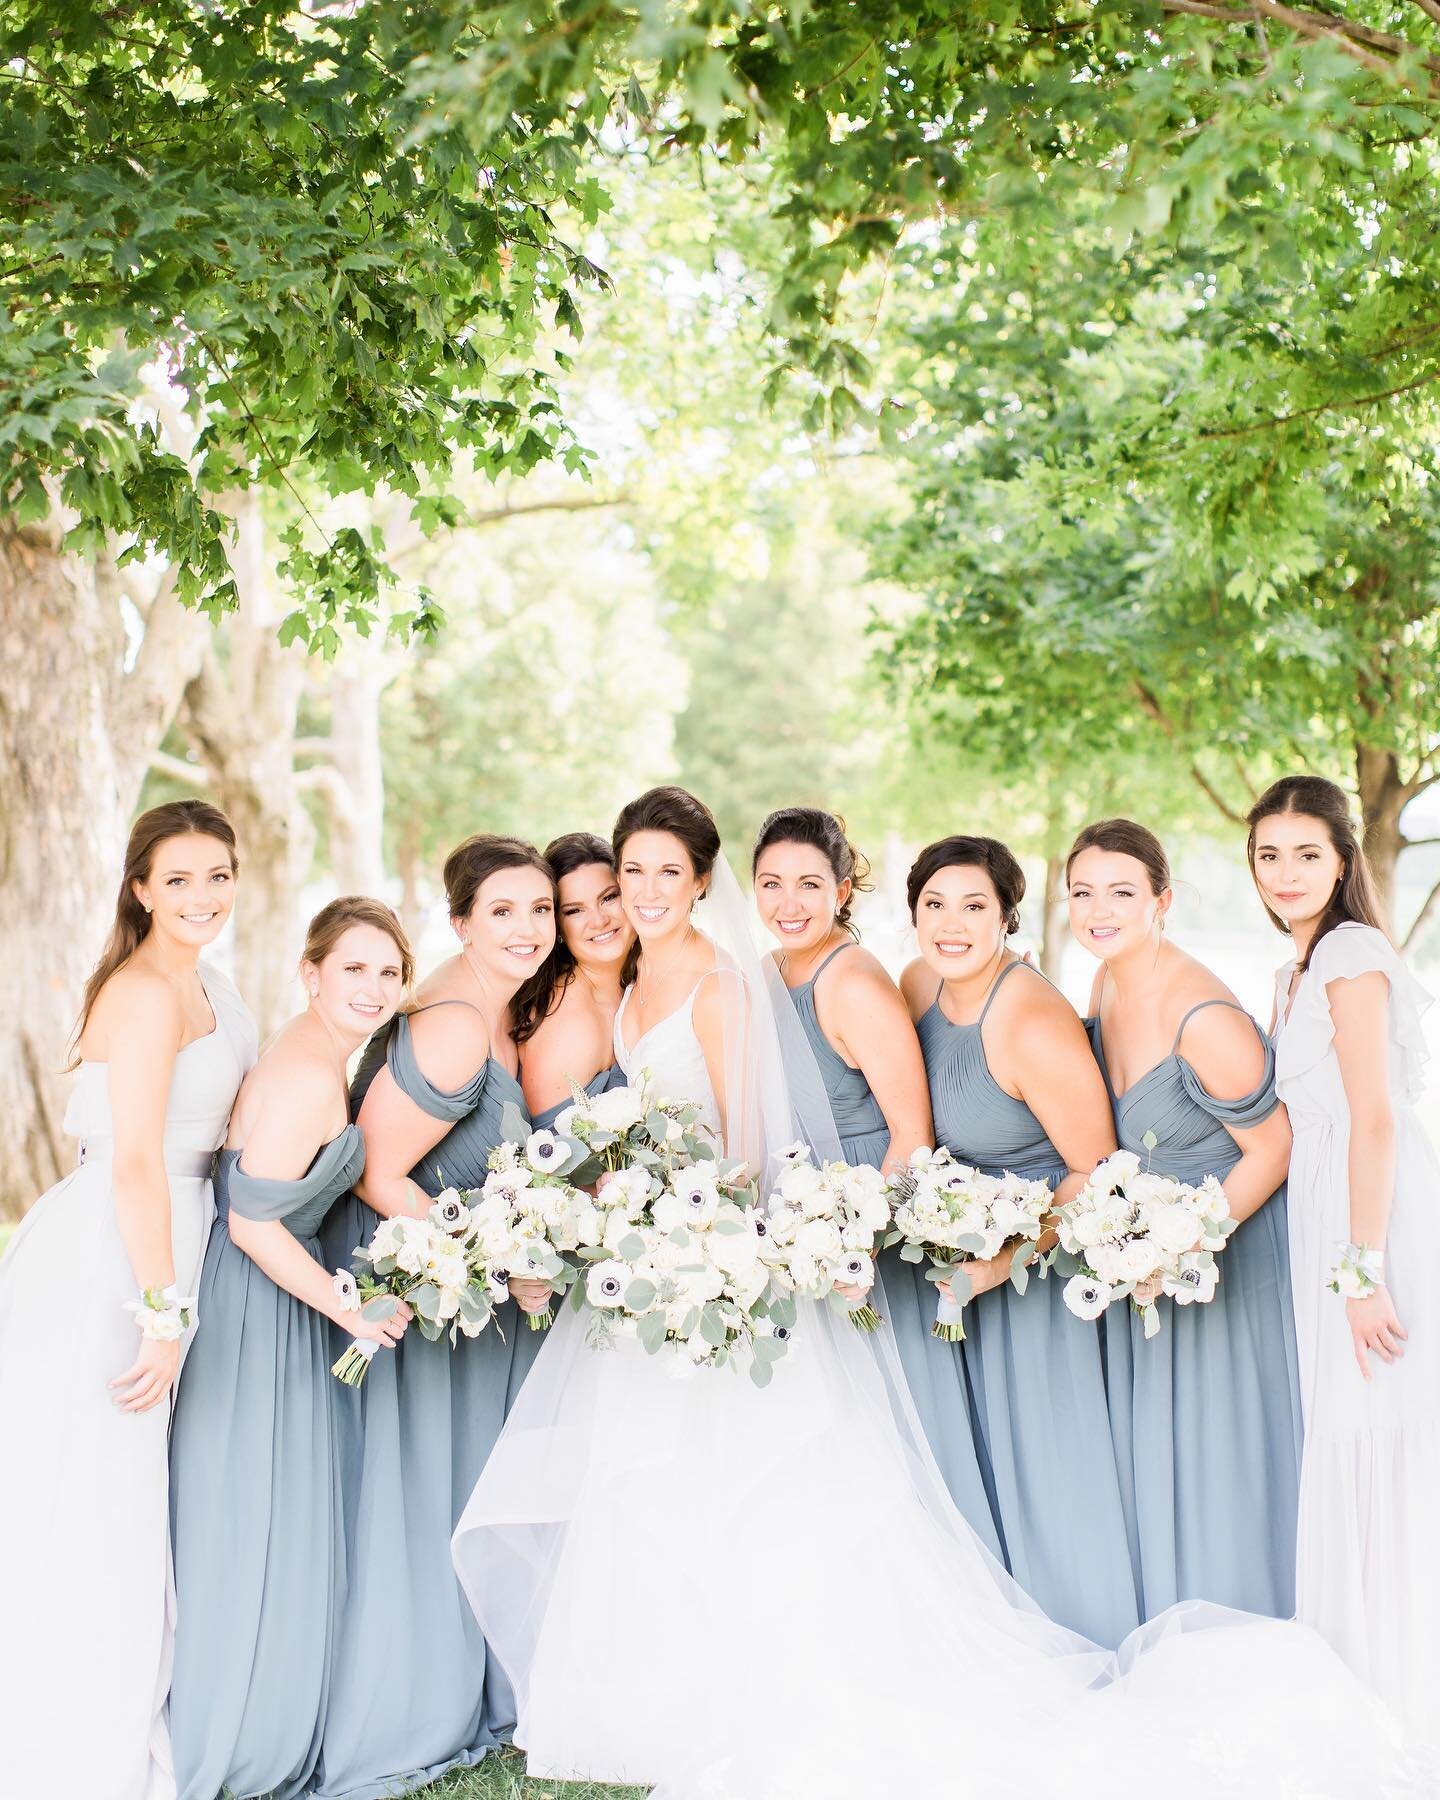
[(503, 1778)]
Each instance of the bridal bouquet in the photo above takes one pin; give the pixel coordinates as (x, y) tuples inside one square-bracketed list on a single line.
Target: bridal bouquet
[(428, 1263), (949, 1213), (1139, 1234), (629, 1126), (825, 1222), (680, 1257)]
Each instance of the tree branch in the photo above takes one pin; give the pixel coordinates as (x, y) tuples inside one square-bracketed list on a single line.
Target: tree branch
[(1360, 42), (1419, 843), (1153, 710), (1422, 918), (1308, 412), (1432, 7), (178, 769)]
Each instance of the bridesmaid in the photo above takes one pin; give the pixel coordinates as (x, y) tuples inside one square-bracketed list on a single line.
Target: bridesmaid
[(1014, 1088), (1206, 1417), (251, 1449), (567, 1033), (806, 874), (95, 1294), (412, 1689), (1349, 1059)]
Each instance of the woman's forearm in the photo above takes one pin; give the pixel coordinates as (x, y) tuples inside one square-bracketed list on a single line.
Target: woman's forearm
[(271, 1246), (1371, 1168), (142, 1214), (393, 1196), (1252, 1181)]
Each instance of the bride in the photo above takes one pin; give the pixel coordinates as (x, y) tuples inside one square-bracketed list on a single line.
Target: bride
[(742, 1594)]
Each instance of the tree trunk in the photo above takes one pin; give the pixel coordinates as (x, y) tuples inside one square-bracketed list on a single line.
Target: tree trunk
[(240, 713), (412, 907), (354, 781), (1056, 928), (77, 730), (1384, 795)]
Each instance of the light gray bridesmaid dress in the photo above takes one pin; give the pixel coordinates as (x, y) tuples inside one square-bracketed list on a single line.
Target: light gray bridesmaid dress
[(903, 1298), (1033, 1370), (254, 1501), (413, 1691), (1206, 1416)]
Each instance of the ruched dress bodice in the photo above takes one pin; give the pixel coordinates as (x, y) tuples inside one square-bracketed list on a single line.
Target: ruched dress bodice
[(544, 1120), (1206, 1416), (859, 1122), (413, 1439), (252, 1473)]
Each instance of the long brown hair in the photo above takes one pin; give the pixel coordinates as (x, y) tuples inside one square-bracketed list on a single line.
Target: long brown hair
[(1354, 899), (131, 926), (541, 994), (336, 917)]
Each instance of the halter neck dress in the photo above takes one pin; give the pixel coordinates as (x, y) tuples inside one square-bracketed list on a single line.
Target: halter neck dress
[(1206, 1416), (413, 1690), (860, 1124), (254, 1501), (1031, 1370), (84, 1511)]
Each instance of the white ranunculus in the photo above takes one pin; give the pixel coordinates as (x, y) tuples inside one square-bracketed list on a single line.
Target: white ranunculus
[(1087, 1228), (588, 1222), (798, 1182), (1105, 1260), (630, 1189), (1087, 1298), (736, 1252), (618, 1109), (1149, 1189), (605, 1284), (802, 1269), (411, 1256)]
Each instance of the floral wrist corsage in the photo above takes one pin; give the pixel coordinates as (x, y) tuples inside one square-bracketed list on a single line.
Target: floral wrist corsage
[(1358, 1271), (161, 1313)]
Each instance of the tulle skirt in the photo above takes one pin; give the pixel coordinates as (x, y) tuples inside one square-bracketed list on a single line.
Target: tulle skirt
[(766, 1595)]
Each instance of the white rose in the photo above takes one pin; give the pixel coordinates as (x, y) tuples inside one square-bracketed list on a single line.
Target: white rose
[(736, 1252), (587, 1223), (411, 1257), (819, 1238), (1136, 1261), (1173, 1229), (1086, 1228), (1105, 1260), (799, 1181), (1087, 1298)]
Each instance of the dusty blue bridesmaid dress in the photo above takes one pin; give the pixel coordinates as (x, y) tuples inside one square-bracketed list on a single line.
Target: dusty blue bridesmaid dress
[(903, 1298), (1206, 1416), (254, 1501), (413, 1691), (545, 1119), (1033, 1370)]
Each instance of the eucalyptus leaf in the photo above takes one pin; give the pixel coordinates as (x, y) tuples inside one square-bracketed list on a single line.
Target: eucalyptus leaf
[(514, 1126), (383, 1306), (639, 1295), (912, 1253)]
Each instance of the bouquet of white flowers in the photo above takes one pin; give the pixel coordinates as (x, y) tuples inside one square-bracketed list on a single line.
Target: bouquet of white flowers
[(825, 1222), (527, 1220), (950, 1214), (1136, 1233), (628, 1126), (428, 1263), (677, 1252)]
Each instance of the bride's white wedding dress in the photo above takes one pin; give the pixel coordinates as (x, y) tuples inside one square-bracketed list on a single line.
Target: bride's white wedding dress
[(766, 1595)]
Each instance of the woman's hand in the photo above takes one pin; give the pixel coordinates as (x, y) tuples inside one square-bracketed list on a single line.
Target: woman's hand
[(150, 1377), (376, 1331), (854, 1294), (1374, 1326), (992, 1273), (531, 1296)]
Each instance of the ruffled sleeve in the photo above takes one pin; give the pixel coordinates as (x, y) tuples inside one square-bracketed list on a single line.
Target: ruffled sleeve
[(411, 1080), (1350, 950)]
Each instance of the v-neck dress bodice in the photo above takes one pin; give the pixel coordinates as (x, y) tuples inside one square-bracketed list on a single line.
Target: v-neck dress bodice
[(671, 1054), (1206, 1416)]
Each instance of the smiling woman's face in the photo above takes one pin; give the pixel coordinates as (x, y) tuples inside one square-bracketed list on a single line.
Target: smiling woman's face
[(658, 884), (510, 929), (1297, 867), (358, 985), (959, 921), (1112, 906), (592, 920)]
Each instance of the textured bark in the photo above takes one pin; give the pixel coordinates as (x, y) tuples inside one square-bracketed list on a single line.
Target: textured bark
[(352, 778), (1056, 928), (1384, 795), (77, 729), (240, 715)]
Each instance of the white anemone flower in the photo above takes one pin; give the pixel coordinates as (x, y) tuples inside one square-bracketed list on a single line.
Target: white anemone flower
[(1086, 1297)]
